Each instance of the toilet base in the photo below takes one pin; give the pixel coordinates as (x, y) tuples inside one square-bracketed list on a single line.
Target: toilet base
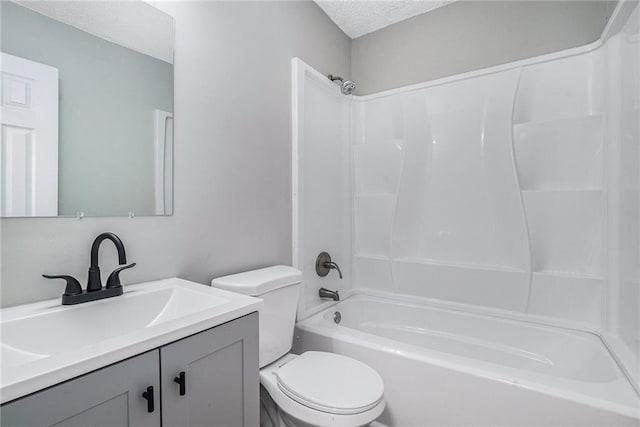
[(269, 413), (272, 416)]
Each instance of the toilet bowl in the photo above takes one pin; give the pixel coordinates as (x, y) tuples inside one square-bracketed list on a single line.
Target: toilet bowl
[(313, 388)]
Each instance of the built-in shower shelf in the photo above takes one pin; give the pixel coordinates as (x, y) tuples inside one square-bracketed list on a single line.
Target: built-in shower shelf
[(375, 140), (581, 118), (562, 190), (547, 273), (560, 154), (468, 266), (376, 257), (567, 275), (364, 195)]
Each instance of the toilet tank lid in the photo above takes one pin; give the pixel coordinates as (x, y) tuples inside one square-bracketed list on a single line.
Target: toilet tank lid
[(259, 282)]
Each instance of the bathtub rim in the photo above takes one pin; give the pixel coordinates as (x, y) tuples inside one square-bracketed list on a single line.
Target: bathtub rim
[(317, 324), (623, 357), (464, 308)]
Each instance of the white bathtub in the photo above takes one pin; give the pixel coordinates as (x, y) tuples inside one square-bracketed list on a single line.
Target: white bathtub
[(446, 367)]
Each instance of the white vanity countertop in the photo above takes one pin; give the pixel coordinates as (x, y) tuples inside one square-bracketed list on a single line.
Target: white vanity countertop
[(45, 343)]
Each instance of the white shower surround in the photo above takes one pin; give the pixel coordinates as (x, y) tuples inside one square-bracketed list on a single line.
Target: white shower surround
[(531, 201), (514, 188), (487, 190)]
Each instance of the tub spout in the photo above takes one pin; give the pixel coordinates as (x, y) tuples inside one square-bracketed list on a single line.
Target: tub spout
[(326, 293)]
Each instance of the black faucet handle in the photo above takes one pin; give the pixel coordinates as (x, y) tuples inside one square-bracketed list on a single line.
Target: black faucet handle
[(73, 286), (114, 278)]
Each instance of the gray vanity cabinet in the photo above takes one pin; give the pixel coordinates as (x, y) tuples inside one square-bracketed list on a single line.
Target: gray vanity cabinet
[(221, 387), (212, 378), (111, 396)]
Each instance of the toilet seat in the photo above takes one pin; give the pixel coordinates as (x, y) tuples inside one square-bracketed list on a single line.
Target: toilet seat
[(286, 388), (330, 382)]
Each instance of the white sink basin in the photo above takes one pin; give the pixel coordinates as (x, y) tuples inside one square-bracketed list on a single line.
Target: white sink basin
[(45, 343)]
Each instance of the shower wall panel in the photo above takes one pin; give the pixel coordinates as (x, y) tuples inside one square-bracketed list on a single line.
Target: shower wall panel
[(321, 182), (623, 191), (628, 74), (487, 190)]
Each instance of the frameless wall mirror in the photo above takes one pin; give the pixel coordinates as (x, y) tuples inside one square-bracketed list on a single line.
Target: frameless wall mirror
[(87, 109)]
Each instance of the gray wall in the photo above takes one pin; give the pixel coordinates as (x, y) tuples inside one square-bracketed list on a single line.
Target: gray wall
[(232, 156), (470, 35), (108, 94)]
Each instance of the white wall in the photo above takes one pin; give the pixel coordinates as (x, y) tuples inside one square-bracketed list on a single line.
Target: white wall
[(232, 156), (471, 35)]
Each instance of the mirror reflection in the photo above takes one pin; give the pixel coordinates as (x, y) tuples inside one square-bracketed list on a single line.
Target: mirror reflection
[(87, 109)]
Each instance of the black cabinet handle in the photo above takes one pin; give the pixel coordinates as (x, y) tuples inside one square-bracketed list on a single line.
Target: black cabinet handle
[(149, 396), (182, 381)]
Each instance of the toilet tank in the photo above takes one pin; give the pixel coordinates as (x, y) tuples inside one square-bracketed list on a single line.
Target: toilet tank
[(278, 287)]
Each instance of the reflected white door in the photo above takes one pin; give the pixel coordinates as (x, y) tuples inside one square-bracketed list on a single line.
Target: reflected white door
[(29, 154), (164, 162)]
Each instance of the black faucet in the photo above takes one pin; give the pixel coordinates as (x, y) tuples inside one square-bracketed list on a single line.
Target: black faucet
[(73, 293), (94, 283)]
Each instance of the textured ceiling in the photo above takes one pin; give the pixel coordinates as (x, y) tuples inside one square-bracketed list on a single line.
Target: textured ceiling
[(132, 24), (359, 17)]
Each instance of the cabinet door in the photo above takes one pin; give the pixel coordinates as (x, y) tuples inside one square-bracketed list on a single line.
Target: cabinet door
[(221, 377), (111, 396)]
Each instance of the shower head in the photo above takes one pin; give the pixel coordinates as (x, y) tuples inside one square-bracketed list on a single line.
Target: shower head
[(347, 87)]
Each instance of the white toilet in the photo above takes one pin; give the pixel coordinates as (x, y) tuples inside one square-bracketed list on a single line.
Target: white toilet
[(311, 389)]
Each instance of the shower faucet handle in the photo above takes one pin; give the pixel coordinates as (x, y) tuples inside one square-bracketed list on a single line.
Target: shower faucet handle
[(324, 265), (332, 265)]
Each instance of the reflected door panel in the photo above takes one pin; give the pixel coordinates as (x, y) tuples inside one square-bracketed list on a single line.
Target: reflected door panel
[(163, 171), (29, 154)]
